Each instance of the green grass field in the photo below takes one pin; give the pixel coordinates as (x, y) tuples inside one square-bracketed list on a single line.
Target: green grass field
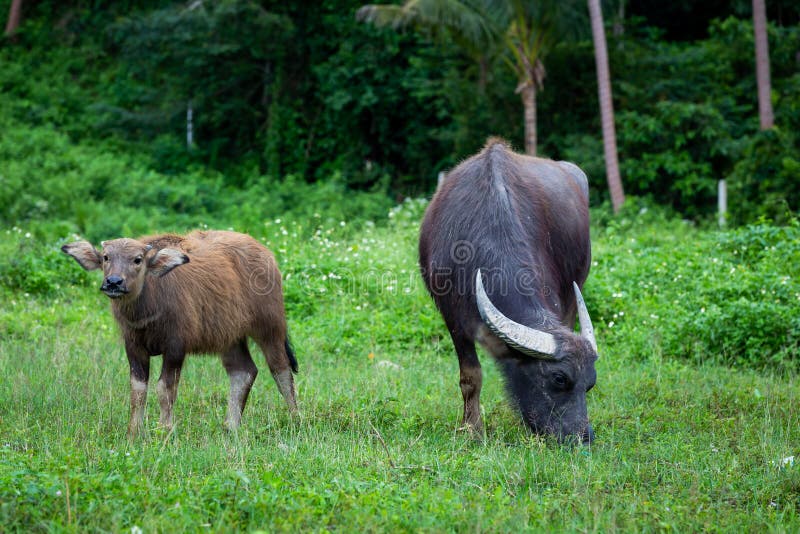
[(696, 408)]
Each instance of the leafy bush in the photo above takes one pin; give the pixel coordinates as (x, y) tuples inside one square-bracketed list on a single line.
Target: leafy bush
[(101, 193), (669, 154), (729, 297), (35, 267), (764, 182)]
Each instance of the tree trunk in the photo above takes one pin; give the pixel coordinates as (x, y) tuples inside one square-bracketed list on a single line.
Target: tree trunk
[(762, 65), (606, 106), (528, 93), (14, 17), (619, 22)]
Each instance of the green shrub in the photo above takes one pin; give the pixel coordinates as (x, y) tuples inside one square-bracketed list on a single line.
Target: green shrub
[(764, 182), (669, 153), (730, 297), (36, 267)]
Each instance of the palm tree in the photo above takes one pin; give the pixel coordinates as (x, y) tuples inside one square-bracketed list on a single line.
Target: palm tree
[(762, 65), (520, 32), (14, 16), (606, 106)]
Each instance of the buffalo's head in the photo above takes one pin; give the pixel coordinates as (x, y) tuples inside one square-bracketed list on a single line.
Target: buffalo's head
[(125, 263), (548, 374)]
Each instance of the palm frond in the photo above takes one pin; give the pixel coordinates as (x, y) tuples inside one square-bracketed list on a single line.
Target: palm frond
[(464, 18)]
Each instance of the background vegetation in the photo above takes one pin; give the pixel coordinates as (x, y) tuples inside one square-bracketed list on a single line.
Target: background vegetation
[(304, 89), (322, 136)]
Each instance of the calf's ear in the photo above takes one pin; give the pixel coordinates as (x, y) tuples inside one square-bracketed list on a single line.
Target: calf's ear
[(85, 254), (165, 260)]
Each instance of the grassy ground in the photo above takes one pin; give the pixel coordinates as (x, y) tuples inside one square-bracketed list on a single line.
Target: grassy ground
[(685, 442)]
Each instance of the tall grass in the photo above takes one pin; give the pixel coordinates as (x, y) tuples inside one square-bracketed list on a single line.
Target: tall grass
[(688, 439)]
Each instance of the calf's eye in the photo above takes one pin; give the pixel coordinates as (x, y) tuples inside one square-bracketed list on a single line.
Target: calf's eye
[(105, 257), (137, 261)]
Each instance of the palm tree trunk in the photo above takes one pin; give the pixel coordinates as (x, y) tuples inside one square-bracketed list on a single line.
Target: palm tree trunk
[(762, 65), (606, 106), (528, 93), (14, 16)]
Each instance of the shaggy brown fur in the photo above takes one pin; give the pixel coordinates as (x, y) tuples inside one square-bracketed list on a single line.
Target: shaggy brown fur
[(205, 292)]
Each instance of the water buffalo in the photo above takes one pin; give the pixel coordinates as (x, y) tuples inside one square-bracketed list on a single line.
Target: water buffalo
[(204, 292), (504, 249)]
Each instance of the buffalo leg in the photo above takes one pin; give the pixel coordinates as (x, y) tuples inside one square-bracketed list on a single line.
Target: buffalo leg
[(471, 382), (168, 385), (242, 373), (140, 375), (274, 350)]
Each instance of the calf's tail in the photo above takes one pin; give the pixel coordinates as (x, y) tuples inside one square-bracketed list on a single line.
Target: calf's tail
[(290, 354)]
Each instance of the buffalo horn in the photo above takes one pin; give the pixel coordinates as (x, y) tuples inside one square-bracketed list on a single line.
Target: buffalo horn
[(587, 330), (527, 340)]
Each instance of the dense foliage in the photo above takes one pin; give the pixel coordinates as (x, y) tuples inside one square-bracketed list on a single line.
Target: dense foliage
[(304, 89)]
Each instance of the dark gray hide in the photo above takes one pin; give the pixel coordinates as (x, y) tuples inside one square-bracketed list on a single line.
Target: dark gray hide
[(516, 230)]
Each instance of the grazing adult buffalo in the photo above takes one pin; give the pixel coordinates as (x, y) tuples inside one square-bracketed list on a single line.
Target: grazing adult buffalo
[(203, 292), (504, 249)]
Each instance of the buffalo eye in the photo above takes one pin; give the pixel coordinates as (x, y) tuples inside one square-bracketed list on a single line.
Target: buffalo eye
[(105, 257), (561, 381), (137, 260)]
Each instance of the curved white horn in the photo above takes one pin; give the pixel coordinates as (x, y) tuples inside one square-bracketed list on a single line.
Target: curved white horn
[(527, 340), (587, 330)]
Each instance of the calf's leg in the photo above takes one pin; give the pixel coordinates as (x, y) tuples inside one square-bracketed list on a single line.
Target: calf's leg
[(168, 385), (274, 349), (140, 374), (242, 373)]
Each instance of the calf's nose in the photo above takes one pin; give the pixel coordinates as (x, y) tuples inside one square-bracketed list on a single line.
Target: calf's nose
[(113, 281)]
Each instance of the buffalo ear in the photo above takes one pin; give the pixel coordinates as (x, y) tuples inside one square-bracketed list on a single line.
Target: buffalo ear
[(165, 260), (85, 254)]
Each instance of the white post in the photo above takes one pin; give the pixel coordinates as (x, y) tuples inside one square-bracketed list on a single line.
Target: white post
[(189, 126), (722, 202), (440, 179)]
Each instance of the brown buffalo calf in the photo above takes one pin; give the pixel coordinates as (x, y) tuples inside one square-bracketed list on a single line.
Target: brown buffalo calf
[(200, 293)]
